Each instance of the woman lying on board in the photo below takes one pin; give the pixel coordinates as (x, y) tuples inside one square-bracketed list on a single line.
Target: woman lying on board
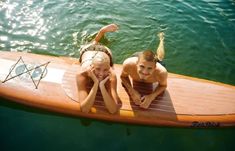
[(97, 73)]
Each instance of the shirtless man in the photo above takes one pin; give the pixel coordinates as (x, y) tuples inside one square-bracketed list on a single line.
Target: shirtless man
[(145, 67), (96, 62)]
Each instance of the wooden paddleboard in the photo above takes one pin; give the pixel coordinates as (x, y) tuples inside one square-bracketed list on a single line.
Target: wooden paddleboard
[(49, 83)]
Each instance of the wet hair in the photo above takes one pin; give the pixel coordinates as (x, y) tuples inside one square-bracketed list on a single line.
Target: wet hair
[(101, 58), (148, 55), (97, 48)]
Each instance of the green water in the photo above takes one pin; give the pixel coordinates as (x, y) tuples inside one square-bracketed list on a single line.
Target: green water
[(199, 41)]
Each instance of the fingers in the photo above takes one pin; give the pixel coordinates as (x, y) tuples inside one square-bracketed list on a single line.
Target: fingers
[(92, 75), (90, 72), (114, 27), (110, 28), (137, 99), (137, 102), (143, 105), (142, 98), (106, 79)]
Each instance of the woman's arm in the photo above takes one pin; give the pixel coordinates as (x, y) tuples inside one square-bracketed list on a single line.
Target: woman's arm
[(86, 98), (103, 30), (110, 97)]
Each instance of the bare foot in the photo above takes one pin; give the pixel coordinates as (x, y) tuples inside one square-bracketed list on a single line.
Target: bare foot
[(161, 35)]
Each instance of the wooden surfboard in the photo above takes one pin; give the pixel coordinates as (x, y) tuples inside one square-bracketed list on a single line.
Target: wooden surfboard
[(50, 83)]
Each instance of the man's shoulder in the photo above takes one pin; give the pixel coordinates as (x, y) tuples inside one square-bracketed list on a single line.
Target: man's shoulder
[(130, 62), (162, 72), (161, 68)]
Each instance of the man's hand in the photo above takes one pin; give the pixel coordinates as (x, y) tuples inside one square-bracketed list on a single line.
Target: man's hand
[(135, 96), (147, 100)]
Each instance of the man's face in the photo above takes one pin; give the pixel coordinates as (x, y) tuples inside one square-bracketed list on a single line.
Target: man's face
[(145, 69)]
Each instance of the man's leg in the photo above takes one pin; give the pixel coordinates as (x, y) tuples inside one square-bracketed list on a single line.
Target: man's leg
[(160, 50)]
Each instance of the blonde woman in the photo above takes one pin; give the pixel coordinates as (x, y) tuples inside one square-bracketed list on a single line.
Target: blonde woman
[(96, 71)]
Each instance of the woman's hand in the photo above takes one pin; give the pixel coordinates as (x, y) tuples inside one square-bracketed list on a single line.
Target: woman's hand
[(103, 30), (102, 83), (92, 75), (109, 28)]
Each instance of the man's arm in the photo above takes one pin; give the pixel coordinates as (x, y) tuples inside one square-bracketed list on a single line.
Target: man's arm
[(162, 85), (135, 96)]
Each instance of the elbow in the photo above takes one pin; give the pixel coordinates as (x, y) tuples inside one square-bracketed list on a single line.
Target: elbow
[(85, 109), (113, 110), (165, 86)]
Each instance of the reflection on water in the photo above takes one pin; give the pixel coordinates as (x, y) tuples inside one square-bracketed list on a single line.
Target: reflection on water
[(21, 125), (199, 41)]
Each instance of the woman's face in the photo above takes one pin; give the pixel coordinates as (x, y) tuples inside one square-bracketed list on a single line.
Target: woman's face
[(101, 69)]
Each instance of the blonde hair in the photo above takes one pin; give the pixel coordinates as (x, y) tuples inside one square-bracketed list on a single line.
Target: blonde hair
[(97, 48), (101, 58)]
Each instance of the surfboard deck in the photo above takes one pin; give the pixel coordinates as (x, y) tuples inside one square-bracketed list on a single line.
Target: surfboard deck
[(50, 83)]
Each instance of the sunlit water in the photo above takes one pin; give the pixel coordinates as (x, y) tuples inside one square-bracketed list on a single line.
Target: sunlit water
[(199, 41)]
